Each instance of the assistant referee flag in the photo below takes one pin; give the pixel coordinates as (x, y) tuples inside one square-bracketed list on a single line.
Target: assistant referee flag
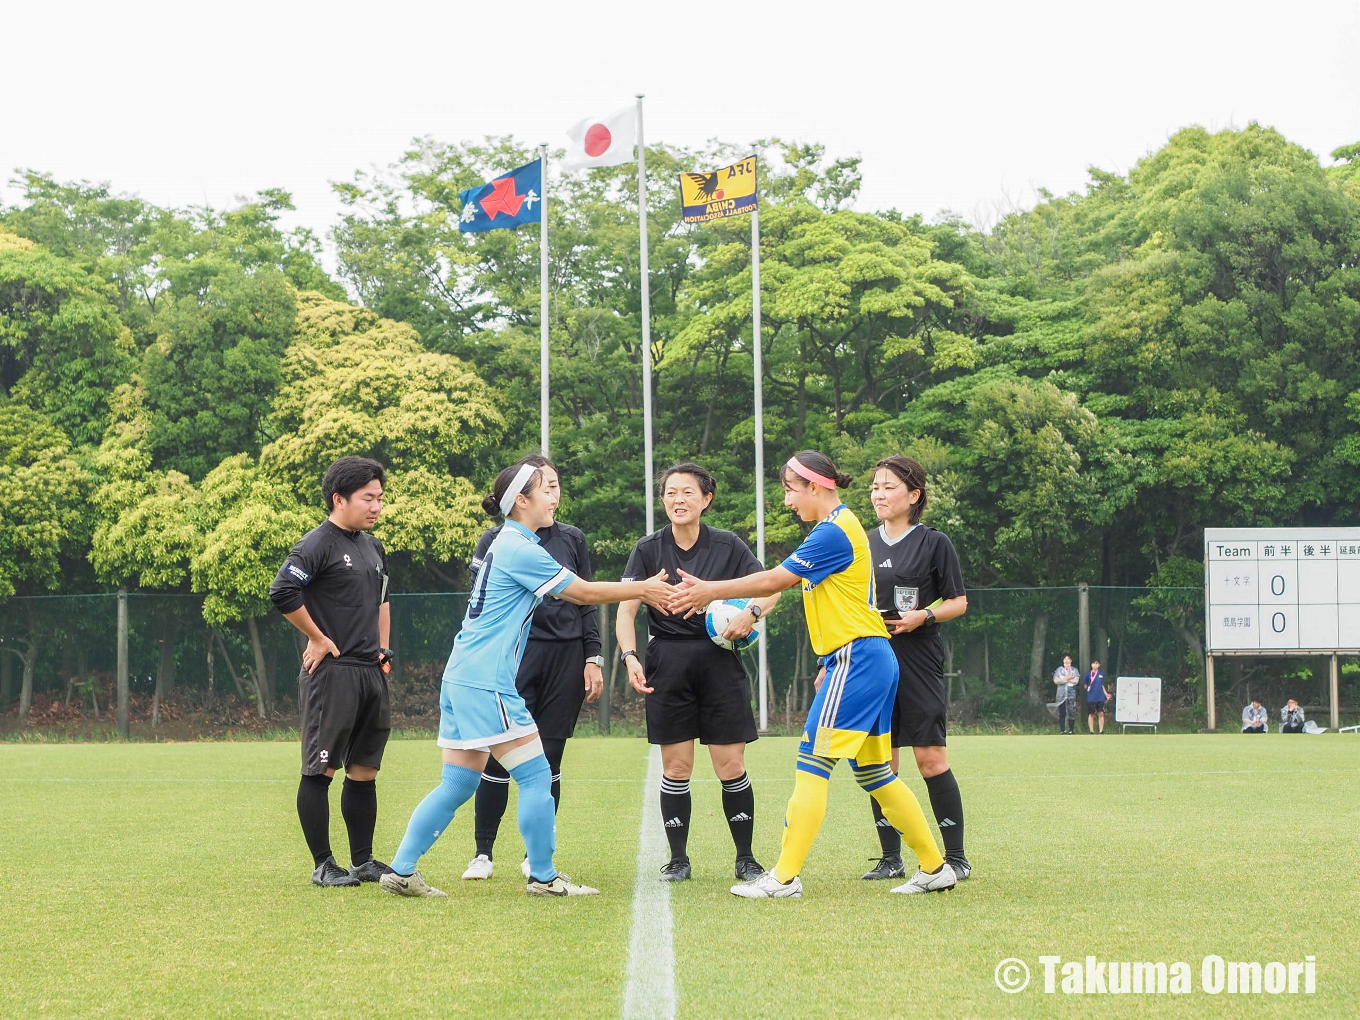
[(717, 194)]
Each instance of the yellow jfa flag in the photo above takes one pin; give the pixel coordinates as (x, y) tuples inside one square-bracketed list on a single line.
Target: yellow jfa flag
[(730, 191)]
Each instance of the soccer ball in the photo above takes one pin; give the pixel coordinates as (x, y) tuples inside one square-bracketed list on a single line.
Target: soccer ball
[(717, 618)]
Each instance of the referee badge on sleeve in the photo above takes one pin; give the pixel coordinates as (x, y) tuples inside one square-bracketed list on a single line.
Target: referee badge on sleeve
[(905, 599)]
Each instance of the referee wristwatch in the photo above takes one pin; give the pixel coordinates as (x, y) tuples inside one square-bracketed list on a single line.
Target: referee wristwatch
[(595, 660), (756, 611), (930, 618), (623, 656)]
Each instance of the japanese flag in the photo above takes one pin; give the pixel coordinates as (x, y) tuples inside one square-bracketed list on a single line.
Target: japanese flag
[(602, 141)]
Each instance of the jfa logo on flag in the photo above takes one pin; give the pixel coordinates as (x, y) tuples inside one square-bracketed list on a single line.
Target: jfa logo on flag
[(507, 201), (730, 191)]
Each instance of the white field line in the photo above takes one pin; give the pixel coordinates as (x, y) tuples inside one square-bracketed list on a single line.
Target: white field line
[(649, 991), (572, 780)]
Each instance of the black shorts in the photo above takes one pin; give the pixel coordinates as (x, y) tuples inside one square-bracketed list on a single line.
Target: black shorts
[(346, 716), (918, 715), (551, 680), (1095, 706), (701, 691)]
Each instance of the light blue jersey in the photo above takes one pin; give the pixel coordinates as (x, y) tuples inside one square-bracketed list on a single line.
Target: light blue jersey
[(516, 574)]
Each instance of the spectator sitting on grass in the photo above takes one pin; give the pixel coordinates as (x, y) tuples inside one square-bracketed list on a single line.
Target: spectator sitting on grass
[(1291, 717), (1254, 717)]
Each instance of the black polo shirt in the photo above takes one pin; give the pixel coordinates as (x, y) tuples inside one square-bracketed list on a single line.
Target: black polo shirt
[(717, 556), (912, 572), (341, 577), (556, 619)]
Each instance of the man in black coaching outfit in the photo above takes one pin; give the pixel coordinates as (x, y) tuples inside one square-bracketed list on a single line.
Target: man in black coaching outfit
[(333, 588)]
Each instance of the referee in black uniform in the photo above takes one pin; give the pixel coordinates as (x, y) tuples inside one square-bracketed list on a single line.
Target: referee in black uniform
[(333, 588), (919, 586), (561, 670), (693, 687)]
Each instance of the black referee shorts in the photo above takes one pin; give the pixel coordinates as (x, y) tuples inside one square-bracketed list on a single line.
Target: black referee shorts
[(551, 680), (700, 691), (918, 715), (346, 715)]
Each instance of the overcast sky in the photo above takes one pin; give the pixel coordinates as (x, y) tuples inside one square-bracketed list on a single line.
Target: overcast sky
[(962, 106)]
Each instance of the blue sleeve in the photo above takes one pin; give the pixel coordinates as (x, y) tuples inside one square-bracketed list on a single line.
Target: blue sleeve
[(824, 552), (532, 567)]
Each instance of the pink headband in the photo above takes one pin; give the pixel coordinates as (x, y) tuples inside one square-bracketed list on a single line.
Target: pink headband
[(810, 475)]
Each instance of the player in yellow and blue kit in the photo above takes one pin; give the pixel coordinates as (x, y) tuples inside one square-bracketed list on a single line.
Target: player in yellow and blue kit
[(851, 716)]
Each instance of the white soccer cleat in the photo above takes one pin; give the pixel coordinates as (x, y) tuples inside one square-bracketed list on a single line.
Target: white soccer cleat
[(767, 887), (930, 881), (560, 886), (480, 868), (524, 867), (408, 885)]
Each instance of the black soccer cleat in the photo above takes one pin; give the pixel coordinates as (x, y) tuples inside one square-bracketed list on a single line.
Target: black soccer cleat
[(370, 871), (748, 869), (962, 869), (677, 869), (888, 866), (328, 873)]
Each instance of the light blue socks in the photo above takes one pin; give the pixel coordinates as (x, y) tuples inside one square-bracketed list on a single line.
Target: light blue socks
[(537, 821), (433, 814)]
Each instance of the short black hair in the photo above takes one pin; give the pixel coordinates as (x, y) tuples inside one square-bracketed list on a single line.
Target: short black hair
[(708, 485), (349, 474)]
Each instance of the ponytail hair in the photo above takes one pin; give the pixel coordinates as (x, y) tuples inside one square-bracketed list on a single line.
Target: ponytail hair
[(492, 503), (818, 463), (912, 475)]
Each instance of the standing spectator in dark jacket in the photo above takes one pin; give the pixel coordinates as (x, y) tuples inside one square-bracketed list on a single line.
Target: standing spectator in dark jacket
[(1096, 696)]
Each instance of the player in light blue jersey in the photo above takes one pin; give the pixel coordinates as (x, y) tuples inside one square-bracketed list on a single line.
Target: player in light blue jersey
[(480, 710)]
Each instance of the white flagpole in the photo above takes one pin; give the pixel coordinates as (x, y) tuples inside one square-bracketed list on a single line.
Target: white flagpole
[(760, 444), (543, 301), (646, 321)]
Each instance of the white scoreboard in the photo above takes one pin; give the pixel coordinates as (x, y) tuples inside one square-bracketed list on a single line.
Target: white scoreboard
[(1273, 589)]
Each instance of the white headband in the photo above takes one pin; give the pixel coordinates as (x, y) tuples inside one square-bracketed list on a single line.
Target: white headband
[(522, 476)]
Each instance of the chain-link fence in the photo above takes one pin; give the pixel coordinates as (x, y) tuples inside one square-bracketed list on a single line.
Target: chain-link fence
[(59, 661)]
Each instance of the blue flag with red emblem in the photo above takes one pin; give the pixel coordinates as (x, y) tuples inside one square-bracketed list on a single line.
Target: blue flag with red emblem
[(508, 201)]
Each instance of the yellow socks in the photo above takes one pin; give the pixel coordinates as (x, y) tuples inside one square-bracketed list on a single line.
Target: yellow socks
[(802, 819)]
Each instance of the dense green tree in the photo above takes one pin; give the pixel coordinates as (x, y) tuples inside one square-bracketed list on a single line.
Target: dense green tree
[(62, 345)]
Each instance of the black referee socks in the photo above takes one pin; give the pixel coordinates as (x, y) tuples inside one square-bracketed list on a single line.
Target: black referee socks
[(314, 812), (947, 804), (889, 839), (739, 805), (359, 807), (675, 810)]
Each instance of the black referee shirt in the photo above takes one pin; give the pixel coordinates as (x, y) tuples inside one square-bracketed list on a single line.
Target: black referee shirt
[(341, 577), (557, 619), (717, 556), (912, 572)]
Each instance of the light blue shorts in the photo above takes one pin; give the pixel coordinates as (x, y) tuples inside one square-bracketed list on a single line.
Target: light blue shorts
[(471, 719)]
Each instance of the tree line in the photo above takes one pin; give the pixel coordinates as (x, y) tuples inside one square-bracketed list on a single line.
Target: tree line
[(1089, 382)]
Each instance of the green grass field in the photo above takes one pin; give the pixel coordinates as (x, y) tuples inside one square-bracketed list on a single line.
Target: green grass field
[(172, 881)]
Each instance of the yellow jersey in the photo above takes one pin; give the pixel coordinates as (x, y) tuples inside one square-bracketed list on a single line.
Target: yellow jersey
[(838, 582)]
